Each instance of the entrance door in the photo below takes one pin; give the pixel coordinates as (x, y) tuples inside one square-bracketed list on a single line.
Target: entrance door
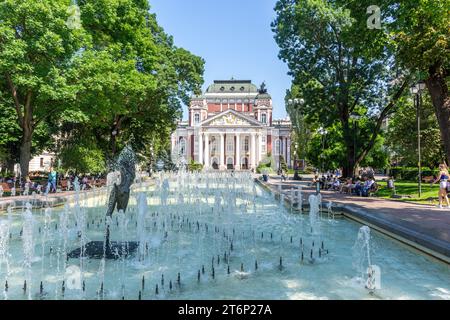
[(244, 163), (215, 163)]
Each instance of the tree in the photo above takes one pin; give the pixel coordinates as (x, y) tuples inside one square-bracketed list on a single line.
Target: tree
[(134, 74), (36, 48), (401, 136), (421, 35), (339, 67), (328, 152)]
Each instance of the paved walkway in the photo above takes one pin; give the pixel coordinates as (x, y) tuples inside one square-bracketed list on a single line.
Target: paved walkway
[(425, 225)]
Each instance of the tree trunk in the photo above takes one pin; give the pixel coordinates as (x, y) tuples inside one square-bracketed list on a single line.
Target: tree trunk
[(25, 153), (349, 167), (438, 89)]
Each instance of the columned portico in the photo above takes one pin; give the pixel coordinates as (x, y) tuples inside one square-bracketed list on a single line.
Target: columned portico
[(230, 126)]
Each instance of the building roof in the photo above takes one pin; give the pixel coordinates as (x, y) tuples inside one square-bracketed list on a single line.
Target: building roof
[(232, 86)]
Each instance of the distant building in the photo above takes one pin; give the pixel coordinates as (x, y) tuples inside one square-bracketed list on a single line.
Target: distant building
[(42, 162), (230, 126)]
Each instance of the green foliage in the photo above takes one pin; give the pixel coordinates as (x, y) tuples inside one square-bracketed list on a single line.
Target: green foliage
[(421, 34), (338, 68), (194, 166), (401, 137), (83, 158), (412, 173), (328, 151), (118, 72), (266, 165), (283, 164)]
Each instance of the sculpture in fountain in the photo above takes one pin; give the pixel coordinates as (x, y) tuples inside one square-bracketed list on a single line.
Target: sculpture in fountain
[(119, 197)]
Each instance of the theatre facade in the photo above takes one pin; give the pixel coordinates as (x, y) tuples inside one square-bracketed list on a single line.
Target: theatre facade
[(230, 126)]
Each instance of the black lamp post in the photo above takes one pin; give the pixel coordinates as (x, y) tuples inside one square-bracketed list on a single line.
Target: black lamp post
[(323, 132), (416, 90), (296, 103)]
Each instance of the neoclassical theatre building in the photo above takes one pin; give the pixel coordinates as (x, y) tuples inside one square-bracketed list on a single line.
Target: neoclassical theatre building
[(230, 126)]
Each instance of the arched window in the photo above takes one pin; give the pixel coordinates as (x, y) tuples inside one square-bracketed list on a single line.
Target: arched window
[(196, 118), (263, 118), (182, 146)]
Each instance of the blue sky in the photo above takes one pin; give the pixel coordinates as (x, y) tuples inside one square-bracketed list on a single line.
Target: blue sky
[(233, 36)]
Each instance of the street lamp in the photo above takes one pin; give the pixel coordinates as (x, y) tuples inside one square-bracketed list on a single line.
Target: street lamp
[(355, 117), (323, 132), (297, 102), (416, 90)]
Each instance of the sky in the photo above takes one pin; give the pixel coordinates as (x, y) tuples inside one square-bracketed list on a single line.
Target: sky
[(233, 37)]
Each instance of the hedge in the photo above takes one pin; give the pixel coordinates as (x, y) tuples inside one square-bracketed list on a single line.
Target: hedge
[(411, 173)]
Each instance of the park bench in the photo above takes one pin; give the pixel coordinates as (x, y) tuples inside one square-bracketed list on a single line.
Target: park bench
[(7, 189)]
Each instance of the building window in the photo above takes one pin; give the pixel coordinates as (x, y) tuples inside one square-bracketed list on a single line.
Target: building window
[(182, 147), (196, 118), (213, 146), (230, 145), (231, 100), (263, 118), (246, 144), (277, 147), (195, 145), (263, 144), (41, 162), (224, 101)]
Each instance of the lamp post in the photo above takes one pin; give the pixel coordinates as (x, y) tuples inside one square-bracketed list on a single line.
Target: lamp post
[(416, 90), (323, 132), (296, 103), (355, 117)]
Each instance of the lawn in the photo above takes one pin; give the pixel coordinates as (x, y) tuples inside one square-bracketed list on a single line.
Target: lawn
[(407, 188)]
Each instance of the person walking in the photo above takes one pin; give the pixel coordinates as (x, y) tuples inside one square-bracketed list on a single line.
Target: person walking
[(442, 178), (52, 180)]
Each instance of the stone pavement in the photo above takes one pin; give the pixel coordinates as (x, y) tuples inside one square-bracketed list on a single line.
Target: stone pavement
[(424, 226)]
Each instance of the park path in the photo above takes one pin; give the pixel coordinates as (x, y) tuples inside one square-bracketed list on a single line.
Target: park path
[(424, 225)]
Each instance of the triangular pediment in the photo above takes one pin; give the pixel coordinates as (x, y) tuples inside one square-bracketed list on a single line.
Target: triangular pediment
[(231, 118)]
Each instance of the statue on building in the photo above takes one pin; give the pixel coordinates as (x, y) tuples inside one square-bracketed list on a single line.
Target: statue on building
[(262, 88)]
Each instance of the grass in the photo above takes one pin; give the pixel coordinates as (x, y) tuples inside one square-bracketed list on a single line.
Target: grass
[(411, 189)]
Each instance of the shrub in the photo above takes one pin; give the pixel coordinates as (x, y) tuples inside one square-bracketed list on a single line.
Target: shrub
[(411, 173), (194, 166)]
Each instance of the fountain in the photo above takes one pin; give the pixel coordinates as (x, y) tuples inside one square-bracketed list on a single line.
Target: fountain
[(208, 235), (367, 273)]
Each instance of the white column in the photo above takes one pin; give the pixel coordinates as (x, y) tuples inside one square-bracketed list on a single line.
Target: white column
[(238, 152), (207, 156), (222, 151), (200, 147), (253, 151), (259, 147)]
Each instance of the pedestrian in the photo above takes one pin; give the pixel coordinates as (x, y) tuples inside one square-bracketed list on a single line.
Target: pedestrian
[(52, 180), (442, 178)]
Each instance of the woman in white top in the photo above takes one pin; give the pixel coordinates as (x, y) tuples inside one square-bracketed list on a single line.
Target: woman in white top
[(443, 178)]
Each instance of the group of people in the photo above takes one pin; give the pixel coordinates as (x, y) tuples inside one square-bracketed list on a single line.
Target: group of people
[(361, 185)]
